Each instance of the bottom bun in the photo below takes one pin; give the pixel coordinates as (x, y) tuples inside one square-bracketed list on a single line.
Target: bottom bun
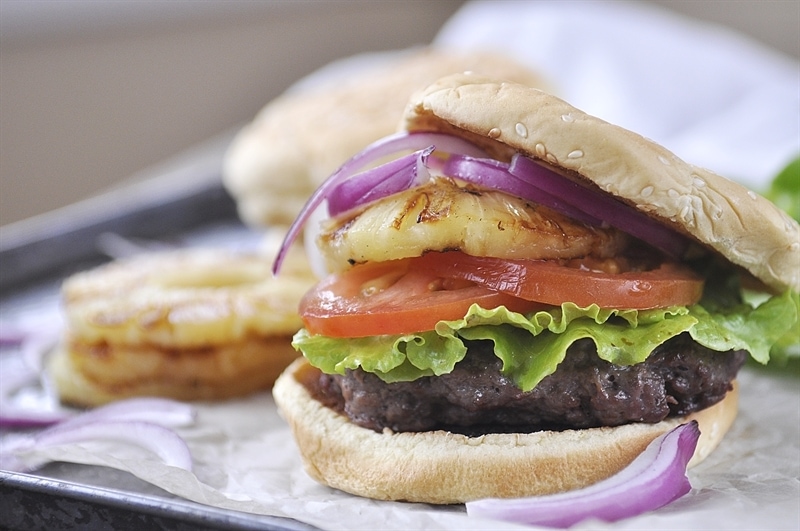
[(84, 376), (441, 467)]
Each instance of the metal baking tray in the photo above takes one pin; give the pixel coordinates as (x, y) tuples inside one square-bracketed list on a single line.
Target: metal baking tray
[(175, 205), (184, 194), (64, 496)]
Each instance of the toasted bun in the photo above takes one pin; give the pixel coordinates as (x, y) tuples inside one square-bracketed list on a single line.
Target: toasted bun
[(505, 117), (441, 467), (297, 140)]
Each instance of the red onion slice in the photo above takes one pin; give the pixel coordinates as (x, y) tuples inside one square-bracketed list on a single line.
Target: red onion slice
[(654, 479), (493, 174), (36, 346), (17, 417), (600, 205), (382, 181), (403, 141), (163, 442), (161, 411), (15, 377), (10, 337), (522, 177), (407, 141), (144, 422)]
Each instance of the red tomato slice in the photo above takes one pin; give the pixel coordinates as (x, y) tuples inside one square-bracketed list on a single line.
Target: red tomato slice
[(394, 298), (671, 284)]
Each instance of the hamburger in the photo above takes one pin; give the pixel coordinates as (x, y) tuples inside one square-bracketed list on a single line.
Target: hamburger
[(525, 301)]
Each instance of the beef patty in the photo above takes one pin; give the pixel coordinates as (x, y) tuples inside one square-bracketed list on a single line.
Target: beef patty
[(678, 378)]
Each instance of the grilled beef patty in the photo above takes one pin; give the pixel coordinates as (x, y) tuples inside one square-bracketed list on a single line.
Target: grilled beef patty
[(678, 378)]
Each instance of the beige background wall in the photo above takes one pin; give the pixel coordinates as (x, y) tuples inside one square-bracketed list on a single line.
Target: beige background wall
[(91, 94)]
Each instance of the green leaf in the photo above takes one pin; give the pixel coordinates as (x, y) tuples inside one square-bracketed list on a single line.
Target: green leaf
[(531, 347), (784, 190), (755, 329)]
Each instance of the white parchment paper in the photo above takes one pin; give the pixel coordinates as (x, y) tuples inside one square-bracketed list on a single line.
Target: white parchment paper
[(717, 100)]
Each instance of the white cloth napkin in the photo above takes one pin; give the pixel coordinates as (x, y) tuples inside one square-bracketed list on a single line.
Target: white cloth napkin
[(714, 97)]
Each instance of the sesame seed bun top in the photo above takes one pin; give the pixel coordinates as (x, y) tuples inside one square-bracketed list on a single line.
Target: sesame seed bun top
[(505, 117)]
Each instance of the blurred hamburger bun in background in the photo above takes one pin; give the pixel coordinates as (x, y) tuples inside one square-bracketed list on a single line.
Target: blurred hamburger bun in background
[(298, 139)]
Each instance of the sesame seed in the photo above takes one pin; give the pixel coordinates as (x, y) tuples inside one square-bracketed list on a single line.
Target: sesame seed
[(788, 222), (494, 132), (752, 195), (551, 158), (663, 160), (673, 193), (521, 130), (541, 151), (685, 214), (567, 118), (698, 182), (575, 154), (647, 191), (795, 246), (692, 206)]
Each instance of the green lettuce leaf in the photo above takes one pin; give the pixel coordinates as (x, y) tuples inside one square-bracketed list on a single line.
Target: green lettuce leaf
[(788, 345), (755, 329), (786, 348), (784, 190), (393, 358), (531, 347)]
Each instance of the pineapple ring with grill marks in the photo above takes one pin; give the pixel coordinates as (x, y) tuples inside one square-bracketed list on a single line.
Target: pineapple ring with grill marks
[(442, 215), (184, 299)]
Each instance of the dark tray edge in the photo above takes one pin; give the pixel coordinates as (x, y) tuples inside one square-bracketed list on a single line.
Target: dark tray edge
[(184, 195), (33, 502)]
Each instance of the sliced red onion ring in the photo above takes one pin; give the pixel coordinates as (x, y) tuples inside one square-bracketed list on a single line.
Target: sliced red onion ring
[(18, 417), (493, 174), (161, 411), (654, 479), (408, 141), (600, 205), (10, 337), (36, 346), (382, 181), (522, 177), (403, 141), (141, 421), (163, 442), (26, 372), (15, 378)]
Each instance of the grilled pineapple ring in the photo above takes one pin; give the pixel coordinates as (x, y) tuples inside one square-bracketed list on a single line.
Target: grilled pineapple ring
[(183, 299), (189, 324), (443, 215)]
